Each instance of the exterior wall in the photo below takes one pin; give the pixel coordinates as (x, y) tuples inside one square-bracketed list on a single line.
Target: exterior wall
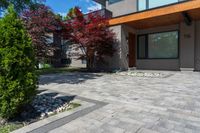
[(120, 59), (77, 63), (158, 64), (65, 52), (56, 58), (114, 62), (70, 55), (122, 7), (187, 43), (197, 46), (189, 49), (73, 55), (125, 46)]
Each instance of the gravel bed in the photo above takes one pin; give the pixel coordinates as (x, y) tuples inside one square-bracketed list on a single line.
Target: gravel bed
[(144, 74), (44, 105), (47, 105)]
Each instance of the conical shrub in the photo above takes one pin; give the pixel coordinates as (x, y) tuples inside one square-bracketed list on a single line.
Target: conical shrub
[(18, 80)]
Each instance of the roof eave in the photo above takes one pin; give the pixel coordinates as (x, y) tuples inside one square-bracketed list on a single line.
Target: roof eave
[(102, 2)]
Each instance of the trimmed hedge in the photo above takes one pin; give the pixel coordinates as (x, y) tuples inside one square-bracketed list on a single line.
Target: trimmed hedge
[(18, 80)]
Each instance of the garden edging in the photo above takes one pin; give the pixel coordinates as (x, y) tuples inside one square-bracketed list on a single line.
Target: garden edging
[(50, 123)]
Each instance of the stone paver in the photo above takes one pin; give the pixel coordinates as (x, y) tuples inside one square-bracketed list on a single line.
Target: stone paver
[(135, 104)]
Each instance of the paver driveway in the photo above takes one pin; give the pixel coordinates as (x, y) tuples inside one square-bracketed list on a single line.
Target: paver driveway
[(135, 104)]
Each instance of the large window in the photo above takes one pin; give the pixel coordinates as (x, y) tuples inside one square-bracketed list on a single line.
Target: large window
[(148, 4), (158, 46)]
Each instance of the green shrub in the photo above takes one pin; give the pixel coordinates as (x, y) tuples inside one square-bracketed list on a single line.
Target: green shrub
[(47, 66), (18, 81)]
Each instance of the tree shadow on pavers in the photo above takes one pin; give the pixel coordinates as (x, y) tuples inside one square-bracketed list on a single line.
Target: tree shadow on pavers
[(72, 78), (66, 98), (44, 102)]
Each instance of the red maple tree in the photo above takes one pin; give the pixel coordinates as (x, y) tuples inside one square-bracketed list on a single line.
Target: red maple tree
[(92, 34), (40, 22)]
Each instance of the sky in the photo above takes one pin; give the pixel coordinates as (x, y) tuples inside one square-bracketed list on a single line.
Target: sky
[(62, 6)]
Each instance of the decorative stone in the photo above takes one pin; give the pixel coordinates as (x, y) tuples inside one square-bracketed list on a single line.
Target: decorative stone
[(47, 105), (43, 115), (50, 113), (142, 74), (3, 121)]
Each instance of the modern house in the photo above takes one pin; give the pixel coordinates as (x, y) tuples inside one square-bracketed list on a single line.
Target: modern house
[(155, 34)]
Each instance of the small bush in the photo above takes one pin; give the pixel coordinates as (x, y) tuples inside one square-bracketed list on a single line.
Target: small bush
[(18, 81), (47, 66)]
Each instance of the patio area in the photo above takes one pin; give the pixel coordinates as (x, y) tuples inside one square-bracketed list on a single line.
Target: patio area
[(167, 103)]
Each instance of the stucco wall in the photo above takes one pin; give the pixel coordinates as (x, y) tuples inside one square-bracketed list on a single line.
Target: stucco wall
[(77, 63), (124, 45), (120, 60), (189, 49), (158, 64), (114, 62), (188, 59), (74, 54), (123, 7), (187, 41), (197, 46)]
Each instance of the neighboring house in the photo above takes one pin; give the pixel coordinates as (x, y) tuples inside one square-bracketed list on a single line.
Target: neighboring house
[(155, 34), (67, 54), (70, 53), (53, 52), (64, 54)]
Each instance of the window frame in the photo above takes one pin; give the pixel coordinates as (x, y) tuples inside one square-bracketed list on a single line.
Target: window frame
[(147, 44), (147, 6)]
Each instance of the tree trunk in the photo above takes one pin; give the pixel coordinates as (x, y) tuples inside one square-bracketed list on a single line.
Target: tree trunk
[(90, 63), (37, 65)]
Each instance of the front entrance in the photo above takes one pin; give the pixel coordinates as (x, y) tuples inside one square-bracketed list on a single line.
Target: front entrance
[(132, 50)]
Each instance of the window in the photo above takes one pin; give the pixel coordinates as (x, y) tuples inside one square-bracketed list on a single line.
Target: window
[(157, 3), (49, 38), (148, 4), (158, 46), (142, 46), (84, 61), (142, 5), (113, 1)]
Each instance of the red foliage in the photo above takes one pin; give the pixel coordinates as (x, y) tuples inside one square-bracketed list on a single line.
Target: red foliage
[(91, 32), (39, 22)]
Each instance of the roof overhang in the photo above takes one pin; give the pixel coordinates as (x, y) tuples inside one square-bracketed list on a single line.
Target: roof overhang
[(168, 15), (102, 2)]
